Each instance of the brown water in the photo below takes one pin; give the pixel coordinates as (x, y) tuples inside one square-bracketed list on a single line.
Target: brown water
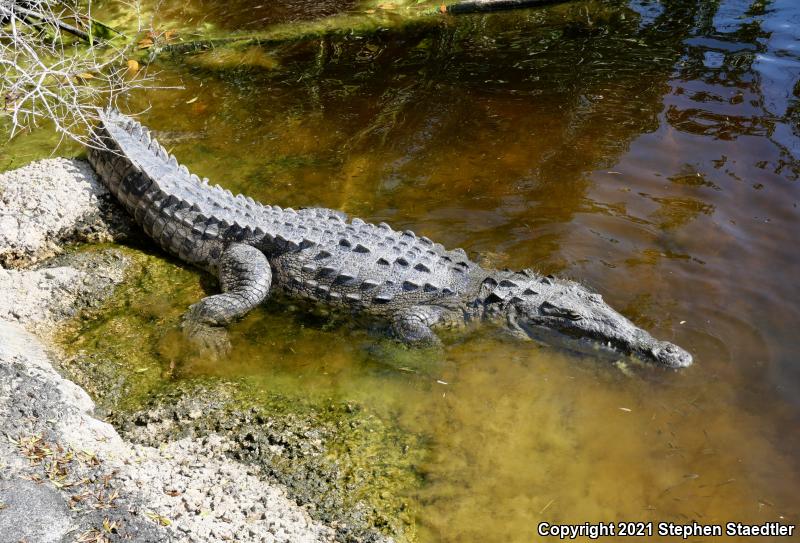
[(648, 149)]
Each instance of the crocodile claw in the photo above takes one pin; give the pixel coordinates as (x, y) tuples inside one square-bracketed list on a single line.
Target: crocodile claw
[(210, 341)]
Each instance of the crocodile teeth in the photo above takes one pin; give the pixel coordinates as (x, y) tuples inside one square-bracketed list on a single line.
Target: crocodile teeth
[(369, 283), (327, 271), (529, 292), (344, 242), (353, 297), (430, 288), (401, 261), (507, 284), (383, 298), (308, 268), (410, 285), (357, 222), (384, 226), (322, 255), (383, 262), (422, 267), (360, 248)]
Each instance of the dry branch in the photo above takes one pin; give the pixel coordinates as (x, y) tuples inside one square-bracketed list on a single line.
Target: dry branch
[(51, 70)]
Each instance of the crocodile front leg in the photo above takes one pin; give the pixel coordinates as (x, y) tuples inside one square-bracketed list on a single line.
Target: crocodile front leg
[(413, 325), (245, 277)]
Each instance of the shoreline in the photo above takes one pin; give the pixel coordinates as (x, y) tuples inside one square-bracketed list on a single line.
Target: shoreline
[(66, 473)]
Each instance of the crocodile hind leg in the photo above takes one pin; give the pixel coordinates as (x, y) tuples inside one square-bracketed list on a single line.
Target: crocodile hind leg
[(245, 277), (413, 325)]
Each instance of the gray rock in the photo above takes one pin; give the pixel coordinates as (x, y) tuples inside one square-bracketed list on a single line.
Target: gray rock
[(51, 202), (32, 512), (143, 492)]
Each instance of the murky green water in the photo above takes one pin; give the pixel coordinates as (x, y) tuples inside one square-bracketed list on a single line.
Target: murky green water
[(648, 149)]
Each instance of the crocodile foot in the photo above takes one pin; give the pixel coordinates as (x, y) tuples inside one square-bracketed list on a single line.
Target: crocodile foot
[(210, 341)]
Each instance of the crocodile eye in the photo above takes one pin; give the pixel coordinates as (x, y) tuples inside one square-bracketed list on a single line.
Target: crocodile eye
[(547, 308)]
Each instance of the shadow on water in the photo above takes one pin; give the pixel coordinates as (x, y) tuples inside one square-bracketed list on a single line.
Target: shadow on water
[(649, 149)]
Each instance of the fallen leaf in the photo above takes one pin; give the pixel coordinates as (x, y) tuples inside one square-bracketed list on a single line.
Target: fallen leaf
[(84, 75), (133, 66), (170, 35), (442, 9), (145, 43)]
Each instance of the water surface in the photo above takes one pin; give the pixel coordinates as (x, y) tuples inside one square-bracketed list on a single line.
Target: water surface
[(650, 150)]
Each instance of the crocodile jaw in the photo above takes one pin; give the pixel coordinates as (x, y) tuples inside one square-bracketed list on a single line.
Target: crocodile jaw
[(577, 313)]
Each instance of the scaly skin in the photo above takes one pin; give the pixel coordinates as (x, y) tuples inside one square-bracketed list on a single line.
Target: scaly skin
[(408, 281)]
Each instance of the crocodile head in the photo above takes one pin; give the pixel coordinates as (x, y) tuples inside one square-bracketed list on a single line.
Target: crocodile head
[(539, 305)]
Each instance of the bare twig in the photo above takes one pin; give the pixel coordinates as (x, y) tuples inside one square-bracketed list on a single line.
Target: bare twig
[(46, 75), (13, 10)]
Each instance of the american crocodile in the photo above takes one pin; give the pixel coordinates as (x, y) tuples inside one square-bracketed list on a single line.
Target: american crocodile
[(406, 281)]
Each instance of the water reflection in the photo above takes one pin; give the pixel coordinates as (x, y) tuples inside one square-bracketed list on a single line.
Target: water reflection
[(648, 149)]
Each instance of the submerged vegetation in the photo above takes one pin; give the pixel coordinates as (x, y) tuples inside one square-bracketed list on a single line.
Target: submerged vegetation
[(355, 467)]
